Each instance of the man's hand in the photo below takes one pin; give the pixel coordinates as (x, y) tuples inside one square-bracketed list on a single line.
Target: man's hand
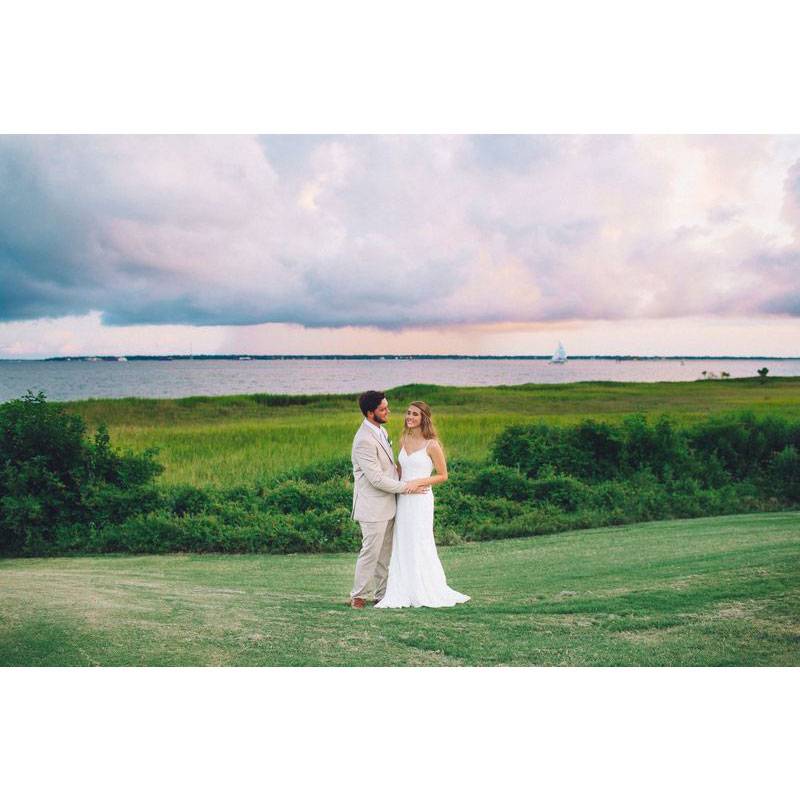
[(416, 487)]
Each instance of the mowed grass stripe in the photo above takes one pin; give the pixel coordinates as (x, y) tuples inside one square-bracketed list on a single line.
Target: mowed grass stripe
[(716, 591)]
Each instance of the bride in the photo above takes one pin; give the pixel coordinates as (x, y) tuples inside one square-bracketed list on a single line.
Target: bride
[(416, 577)]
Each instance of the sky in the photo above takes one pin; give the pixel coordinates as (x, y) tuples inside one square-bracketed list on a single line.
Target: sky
[(488, 245)]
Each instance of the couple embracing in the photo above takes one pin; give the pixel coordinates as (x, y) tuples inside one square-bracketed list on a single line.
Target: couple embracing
[(393, 503)]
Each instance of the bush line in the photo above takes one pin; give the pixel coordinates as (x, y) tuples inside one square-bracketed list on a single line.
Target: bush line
[(61, 493)]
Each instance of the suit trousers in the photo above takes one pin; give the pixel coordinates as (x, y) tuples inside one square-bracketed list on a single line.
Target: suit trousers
[(373, 560)]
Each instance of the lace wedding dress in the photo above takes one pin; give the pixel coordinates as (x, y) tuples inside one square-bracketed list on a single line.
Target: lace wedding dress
[(416, 577)]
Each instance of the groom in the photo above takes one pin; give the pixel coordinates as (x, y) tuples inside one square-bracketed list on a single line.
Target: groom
[(376, 485)]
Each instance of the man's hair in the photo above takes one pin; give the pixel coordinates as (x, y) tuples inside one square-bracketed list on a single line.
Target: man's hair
[(370, 400)]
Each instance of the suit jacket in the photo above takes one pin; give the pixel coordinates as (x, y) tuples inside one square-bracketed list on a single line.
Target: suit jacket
[(375, 484)]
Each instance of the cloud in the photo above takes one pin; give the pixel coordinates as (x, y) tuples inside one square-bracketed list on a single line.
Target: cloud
[(397, 232)]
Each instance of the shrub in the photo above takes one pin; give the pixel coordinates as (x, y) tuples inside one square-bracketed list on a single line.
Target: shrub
[(292, 496), (107, 503), (593, 451), (742, 444), (660, 448), (461, 512), (597, 448), (495, 480), (44, 462), (563, 491), (717, 450), (52, 477), (531, 448), (784, 473), (183, 500)]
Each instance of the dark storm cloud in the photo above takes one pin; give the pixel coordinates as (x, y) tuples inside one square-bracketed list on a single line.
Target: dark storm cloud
[(396, 231)]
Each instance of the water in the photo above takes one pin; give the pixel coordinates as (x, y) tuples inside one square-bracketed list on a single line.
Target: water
[(77, 380)]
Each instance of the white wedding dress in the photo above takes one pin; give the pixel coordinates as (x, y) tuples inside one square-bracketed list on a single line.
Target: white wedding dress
[(416, 577)]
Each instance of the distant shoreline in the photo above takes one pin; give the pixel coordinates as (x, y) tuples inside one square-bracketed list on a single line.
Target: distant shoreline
[(409, 357)]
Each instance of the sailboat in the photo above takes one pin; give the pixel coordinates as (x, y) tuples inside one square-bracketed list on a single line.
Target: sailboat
[(560, 356)]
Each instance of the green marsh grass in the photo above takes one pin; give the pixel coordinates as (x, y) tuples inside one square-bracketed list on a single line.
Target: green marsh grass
[(225, 441)]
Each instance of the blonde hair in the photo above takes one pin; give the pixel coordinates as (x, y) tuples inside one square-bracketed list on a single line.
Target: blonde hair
[(426, 425)]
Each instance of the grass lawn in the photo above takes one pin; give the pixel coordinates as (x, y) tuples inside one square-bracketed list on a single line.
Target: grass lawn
[(701, 592), (229, 441)]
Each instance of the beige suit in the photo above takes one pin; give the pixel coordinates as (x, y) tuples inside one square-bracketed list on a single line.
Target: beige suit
[(376, 485)]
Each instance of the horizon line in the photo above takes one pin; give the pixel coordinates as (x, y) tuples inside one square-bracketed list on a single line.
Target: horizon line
[(389, 356)]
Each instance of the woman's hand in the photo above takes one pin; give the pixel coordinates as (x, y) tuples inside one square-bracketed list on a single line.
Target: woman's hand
[(417, 486)]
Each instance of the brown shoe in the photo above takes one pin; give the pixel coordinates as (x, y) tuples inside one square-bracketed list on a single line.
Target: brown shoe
[(357, 602)]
